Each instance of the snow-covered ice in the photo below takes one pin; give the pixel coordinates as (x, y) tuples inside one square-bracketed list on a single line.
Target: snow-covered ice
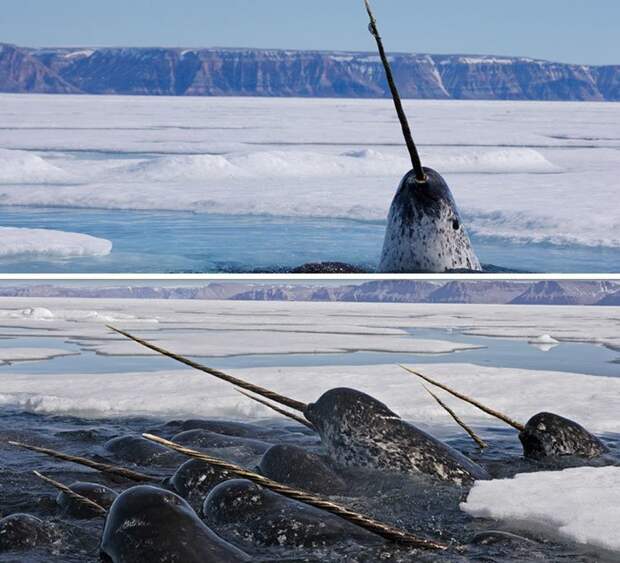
[(544, 342), (188, 393), (31, 354), (48, 243), (563, 323), (579, 505), (22, 167), (221, 327), (234, 343), (517, 169)]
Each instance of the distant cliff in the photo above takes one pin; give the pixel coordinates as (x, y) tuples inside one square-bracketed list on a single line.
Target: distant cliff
[(260, 72), (385, 291)]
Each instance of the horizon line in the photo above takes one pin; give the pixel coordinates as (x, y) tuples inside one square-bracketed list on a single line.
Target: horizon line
[(298, 50)]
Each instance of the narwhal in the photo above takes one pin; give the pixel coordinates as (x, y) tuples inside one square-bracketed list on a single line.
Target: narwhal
[(357, 430), (546, 435), (425, 232)]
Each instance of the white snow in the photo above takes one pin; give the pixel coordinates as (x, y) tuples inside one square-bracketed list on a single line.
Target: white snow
[(70, 316), (578, 505), (544, 342), (544, 339), (517, 169), (84, 53), (35, 313), (49, 243), (219, 327), (186, 392), (233, 343), (22, 167), (31, 354), (485, 60)]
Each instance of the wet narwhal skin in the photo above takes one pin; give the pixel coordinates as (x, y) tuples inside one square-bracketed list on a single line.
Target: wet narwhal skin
[(150, 525), (299, 468), (547, 435), (195, 479), (100, 494), (22, 532), (359, 431), (200, 438), (256, 515), (137, 450), (424, 231)]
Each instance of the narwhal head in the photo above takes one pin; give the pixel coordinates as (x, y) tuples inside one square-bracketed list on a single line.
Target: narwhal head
[(352, 424), (548, 435), (346, 407), (425, 232)]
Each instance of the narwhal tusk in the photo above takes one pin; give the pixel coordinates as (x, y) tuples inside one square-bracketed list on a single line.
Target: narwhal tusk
[(271, 395), (385, 530), (277, 409), (103, 467), (517, 425), (456, 418), (76, 496), (413, 151)]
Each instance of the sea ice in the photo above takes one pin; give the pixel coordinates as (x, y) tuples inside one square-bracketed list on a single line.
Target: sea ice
[(221, 327), (31, 354), (544, 342), (183, 392), (517, 169), (22, 167), (50, 244), (579, 505)]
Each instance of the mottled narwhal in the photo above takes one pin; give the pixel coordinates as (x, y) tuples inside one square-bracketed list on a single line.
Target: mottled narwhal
[(360, 431), (545, 435), (425, 232), (149, 524)]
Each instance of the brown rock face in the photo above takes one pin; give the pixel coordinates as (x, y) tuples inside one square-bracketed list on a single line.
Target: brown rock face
[(261, 72), (21, 72)]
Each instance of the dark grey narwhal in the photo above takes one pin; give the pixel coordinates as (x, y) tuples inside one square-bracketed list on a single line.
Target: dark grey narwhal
[(425, 232), (545, 435), (360, 431)]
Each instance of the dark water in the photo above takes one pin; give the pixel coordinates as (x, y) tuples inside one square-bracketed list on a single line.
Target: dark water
[(421, 505), (182, 242)]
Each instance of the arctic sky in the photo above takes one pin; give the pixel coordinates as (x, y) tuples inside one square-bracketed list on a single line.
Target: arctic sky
[(576, 31)]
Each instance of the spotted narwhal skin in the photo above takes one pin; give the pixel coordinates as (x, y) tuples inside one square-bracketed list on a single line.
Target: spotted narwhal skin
[(424, 231), (548, 435), (146, 523), (360, 431)]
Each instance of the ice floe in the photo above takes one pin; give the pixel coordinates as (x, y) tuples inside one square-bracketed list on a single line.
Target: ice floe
[(579, 505), (16, 242), (22, 167), (516, 169), (31, 354)]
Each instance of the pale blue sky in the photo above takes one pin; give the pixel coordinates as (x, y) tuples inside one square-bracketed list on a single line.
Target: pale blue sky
[(577, 31)]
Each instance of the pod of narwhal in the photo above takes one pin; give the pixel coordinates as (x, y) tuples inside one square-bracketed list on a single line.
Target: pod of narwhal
[(153, 523), (425, 232), (545, 435), (360, 431), (357, 430)]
